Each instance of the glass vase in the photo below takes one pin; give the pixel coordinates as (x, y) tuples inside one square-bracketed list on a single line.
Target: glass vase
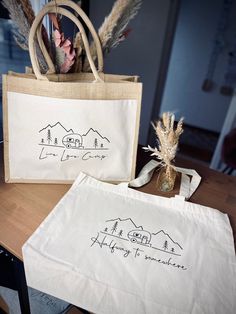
[(166, 179)]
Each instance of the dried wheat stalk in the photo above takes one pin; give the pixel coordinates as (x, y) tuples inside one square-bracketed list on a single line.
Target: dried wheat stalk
[(112, 31), (167, 138)]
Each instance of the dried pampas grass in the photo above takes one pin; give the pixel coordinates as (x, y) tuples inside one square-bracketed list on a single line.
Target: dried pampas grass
[(167, 138), (28, 10), (112, 31), (22, 25), (23, 17)]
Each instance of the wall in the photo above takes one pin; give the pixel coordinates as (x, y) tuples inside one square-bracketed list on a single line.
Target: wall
[(11, 58), (192, 46), (140, 53)]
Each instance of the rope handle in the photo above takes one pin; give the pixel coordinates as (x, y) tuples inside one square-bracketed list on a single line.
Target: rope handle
[(52, 7)]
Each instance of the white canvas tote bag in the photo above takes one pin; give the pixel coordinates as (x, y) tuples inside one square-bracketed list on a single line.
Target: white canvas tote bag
[(111, 249), (58, 125)]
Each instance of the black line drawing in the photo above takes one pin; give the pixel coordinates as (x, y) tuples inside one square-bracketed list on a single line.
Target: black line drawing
[(56, 135), (120, 233), (168, 237), (73, 140), (52, 126), (113, 235), (126, 219), (126, 229), (141, 237), (42, 144), (91, 129), (166, 251)]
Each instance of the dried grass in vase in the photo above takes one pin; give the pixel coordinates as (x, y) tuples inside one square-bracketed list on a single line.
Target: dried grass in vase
[(168, 138)]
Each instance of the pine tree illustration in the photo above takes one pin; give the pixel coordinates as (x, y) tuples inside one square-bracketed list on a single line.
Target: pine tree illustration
[(55, 141), (49, 136), (165, 246), (120, 233), (114, 227), (96, 143)]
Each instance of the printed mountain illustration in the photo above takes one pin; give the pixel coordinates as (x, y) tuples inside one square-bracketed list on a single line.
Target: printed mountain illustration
[(93, 139), (162, 241), (120, 227), (126, 229), (58, 136), (53, 134)]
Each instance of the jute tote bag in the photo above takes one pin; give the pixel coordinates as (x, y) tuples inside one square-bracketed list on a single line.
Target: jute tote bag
[(111, 249), (58, 125)]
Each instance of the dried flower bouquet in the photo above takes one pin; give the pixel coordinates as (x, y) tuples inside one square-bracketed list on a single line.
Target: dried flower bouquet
[(68, 53), (168, 139)]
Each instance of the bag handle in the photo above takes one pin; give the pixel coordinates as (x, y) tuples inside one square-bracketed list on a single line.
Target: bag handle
[(51, 67), (87, 22), (51, 8), (187, 186)]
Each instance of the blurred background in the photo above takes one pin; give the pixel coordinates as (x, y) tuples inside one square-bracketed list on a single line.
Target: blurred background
[(185, 54)]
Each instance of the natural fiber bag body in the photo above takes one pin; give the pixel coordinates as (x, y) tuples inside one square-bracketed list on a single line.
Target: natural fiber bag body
[(111, 249), (58, 125)]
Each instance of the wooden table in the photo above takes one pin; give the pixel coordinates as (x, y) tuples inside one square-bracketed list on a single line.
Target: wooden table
[(216, 190), (24, 206)]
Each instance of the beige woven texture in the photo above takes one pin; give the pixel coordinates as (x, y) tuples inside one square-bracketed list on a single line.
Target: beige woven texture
[(71, 86)]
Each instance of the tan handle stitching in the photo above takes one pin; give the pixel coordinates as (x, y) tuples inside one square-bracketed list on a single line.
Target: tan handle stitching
[(44, 51), (37, 21), (88, 23)]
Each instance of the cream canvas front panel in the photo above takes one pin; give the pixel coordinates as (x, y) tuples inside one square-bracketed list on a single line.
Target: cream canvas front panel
[(123, 251), (55, 139)]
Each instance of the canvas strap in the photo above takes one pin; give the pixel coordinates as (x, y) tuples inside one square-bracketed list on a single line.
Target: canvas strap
[(187, 186)]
